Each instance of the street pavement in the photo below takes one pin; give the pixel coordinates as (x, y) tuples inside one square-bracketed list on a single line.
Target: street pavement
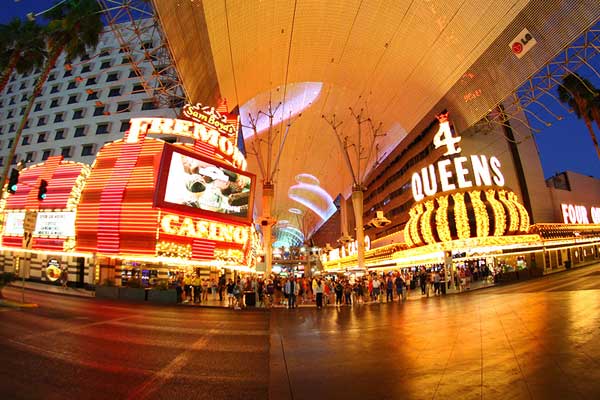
[(537, 339)]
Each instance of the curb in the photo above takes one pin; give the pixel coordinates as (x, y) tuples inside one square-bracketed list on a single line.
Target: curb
[(72, 294), (14, 304)]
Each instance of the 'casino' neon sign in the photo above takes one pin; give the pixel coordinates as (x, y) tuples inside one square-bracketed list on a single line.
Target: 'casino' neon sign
[(476, 170), (172, 224)]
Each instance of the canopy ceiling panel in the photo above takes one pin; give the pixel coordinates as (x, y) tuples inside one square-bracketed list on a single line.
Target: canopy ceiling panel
[(395, 59)]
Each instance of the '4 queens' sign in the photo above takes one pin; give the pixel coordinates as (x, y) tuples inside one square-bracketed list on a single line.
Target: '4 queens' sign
[(456, 173)]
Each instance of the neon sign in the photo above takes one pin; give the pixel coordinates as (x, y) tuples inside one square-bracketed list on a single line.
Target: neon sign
[(476, 170), (172, 224), (574, 214), (140, 127), (207, 115)]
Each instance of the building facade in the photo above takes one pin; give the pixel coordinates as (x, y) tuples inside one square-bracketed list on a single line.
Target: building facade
[(85, 103)]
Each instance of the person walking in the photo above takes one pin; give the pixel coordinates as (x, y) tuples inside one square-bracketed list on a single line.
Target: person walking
[(399, 283), (319, 293), (389, 290), (436, 283), (339, 290), (205, 290), (291, 288), (197, 288)]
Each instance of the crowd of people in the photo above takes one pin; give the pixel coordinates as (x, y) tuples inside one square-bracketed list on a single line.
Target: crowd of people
[(338, 290)]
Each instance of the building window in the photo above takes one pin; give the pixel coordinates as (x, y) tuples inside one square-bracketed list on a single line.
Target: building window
[(91, 81), (22, 112), (86, 68), (133, 74), (54, 103), (66, 152), (124, 126), (78, 114), (68, 73), (38, 107), (72, 85), (55, 89), (51, 77), (10, 114), (23, 85), (26, 140), (123, 49), (11, 128), (59, 117), (123, 107), (102, 129), (87, 150), (59, 135), (148, 105), (126, 60), (137, 88), (72, 99), (9, 90), (10, 143), (30, 156), (41, 121), (47, 153), (12, 101), (1, 161), (105, 65), (85, 57), (92, 96), (79, 131), (42, 137), (98, 111), (146, 45), (112, 77), (24, 97), (114, 92), (104, 53)]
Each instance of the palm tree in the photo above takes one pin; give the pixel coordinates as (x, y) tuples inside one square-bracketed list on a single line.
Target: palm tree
[(578, 93), (22, 48), (74, 27)]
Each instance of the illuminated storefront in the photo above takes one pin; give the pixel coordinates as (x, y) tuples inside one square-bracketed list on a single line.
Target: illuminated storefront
[(145, 204)]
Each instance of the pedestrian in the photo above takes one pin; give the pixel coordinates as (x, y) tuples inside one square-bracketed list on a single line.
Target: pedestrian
[(319, 293), (64, 278), (436, 283), (339, 290), (376, 285), (291, 288), (399, 282), (389, 290), (348, 293), (205, 289), (197, 288), (230, 296)]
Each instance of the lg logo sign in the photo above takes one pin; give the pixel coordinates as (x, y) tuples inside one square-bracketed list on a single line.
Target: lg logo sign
[(522, 43)]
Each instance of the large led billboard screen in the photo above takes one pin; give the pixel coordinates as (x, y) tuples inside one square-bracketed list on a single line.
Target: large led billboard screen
[(191, 182)]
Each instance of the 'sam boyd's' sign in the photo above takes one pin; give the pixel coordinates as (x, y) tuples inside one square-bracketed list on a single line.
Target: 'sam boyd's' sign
[(458, 173)]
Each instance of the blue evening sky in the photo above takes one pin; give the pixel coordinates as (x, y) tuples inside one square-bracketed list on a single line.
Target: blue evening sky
[(566, 145)]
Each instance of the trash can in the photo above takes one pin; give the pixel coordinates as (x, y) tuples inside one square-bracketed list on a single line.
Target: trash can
[(250, 299), (567, 264)]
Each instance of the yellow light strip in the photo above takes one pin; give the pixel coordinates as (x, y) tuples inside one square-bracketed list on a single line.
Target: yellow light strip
[(513, 215), (461, 218), (426, 230), (441, 219), (482, 220), (499, 217)]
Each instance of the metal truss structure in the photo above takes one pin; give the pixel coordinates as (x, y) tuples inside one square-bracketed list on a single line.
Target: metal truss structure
[(136, 26), (537, 97)]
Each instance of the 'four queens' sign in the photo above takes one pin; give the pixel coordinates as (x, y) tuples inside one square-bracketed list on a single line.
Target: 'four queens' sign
[(457, 173)]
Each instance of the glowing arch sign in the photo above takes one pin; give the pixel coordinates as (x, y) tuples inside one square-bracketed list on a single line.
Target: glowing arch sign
[(473, 171)]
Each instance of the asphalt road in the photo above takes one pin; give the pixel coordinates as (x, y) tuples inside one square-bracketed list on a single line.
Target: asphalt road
[(532, 340)]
